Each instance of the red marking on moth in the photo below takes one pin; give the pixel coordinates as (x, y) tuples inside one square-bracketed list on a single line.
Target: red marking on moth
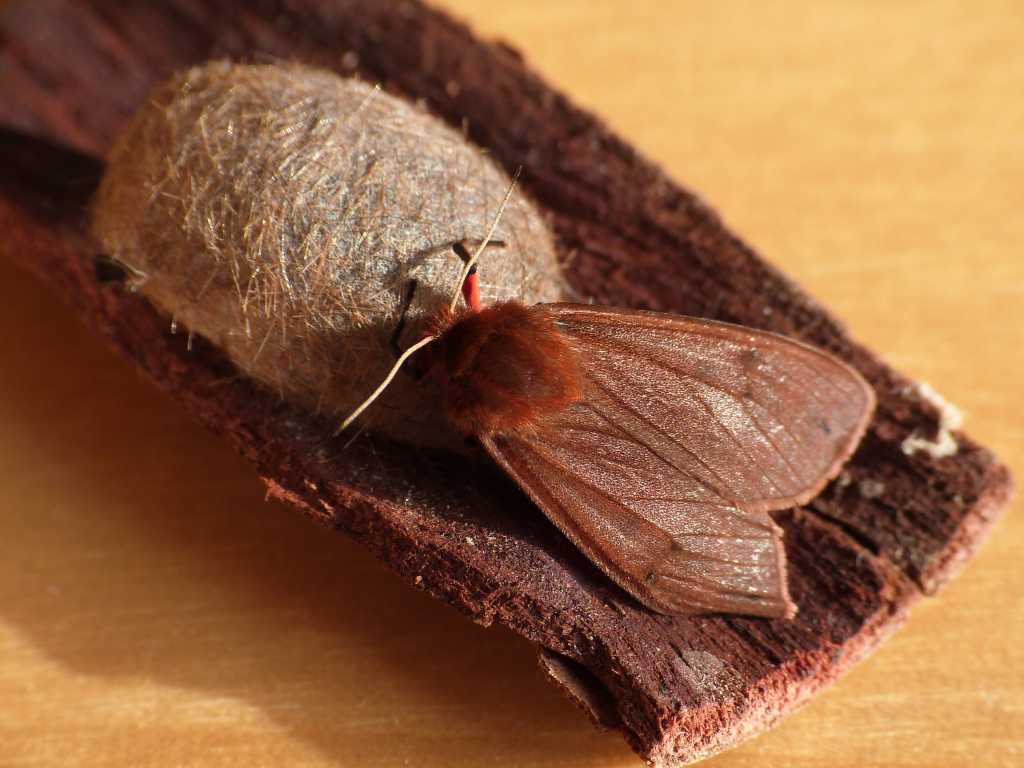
[(471, 291), (502, 369)]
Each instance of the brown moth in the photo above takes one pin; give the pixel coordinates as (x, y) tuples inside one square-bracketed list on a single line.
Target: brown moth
[(656, 443)]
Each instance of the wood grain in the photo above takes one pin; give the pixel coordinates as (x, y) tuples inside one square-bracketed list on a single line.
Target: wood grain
[(103, 677)]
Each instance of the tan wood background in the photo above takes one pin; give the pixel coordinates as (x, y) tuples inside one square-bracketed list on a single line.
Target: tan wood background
[(155, 611)]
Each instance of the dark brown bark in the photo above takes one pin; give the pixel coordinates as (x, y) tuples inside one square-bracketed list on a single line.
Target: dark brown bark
[(678, 689)]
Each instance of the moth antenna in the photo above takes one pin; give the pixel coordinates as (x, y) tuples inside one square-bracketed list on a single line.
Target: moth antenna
[(466, 269), (384, 384), (468, 266)]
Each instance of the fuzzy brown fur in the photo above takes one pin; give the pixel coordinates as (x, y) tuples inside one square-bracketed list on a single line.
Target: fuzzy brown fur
[(503, 369)]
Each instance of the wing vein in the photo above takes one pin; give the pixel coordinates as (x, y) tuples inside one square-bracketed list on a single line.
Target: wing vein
[(686, 473), (688, 374), (540, 451), (768, 438), (742, 402)]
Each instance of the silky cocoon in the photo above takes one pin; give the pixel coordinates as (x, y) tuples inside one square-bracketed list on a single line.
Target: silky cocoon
[(283, 212)]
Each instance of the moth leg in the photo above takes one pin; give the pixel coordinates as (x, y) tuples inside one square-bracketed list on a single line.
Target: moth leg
[(410, 291), (413, 369), (109, 271), (464, 253)]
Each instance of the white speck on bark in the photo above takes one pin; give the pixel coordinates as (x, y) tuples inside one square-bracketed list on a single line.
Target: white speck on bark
[(950, 418), (871, 489)]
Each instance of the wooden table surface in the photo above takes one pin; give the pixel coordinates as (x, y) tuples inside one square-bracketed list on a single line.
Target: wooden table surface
[(155, 611)]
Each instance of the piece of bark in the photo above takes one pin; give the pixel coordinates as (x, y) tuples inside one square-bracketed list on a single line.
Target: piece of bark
[(678, 689)]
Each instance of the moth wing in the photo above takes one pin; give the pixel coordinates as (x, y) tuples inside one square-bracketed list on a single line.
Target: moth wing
[(689, 431)]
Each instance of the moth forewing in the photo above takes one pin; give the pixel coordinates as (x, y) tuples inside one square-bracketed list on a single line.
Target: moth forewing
[(687, 433)]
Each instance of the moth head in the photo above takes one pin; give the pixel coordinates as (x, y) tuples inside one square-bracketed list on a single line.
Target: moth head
[(502, 369)]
